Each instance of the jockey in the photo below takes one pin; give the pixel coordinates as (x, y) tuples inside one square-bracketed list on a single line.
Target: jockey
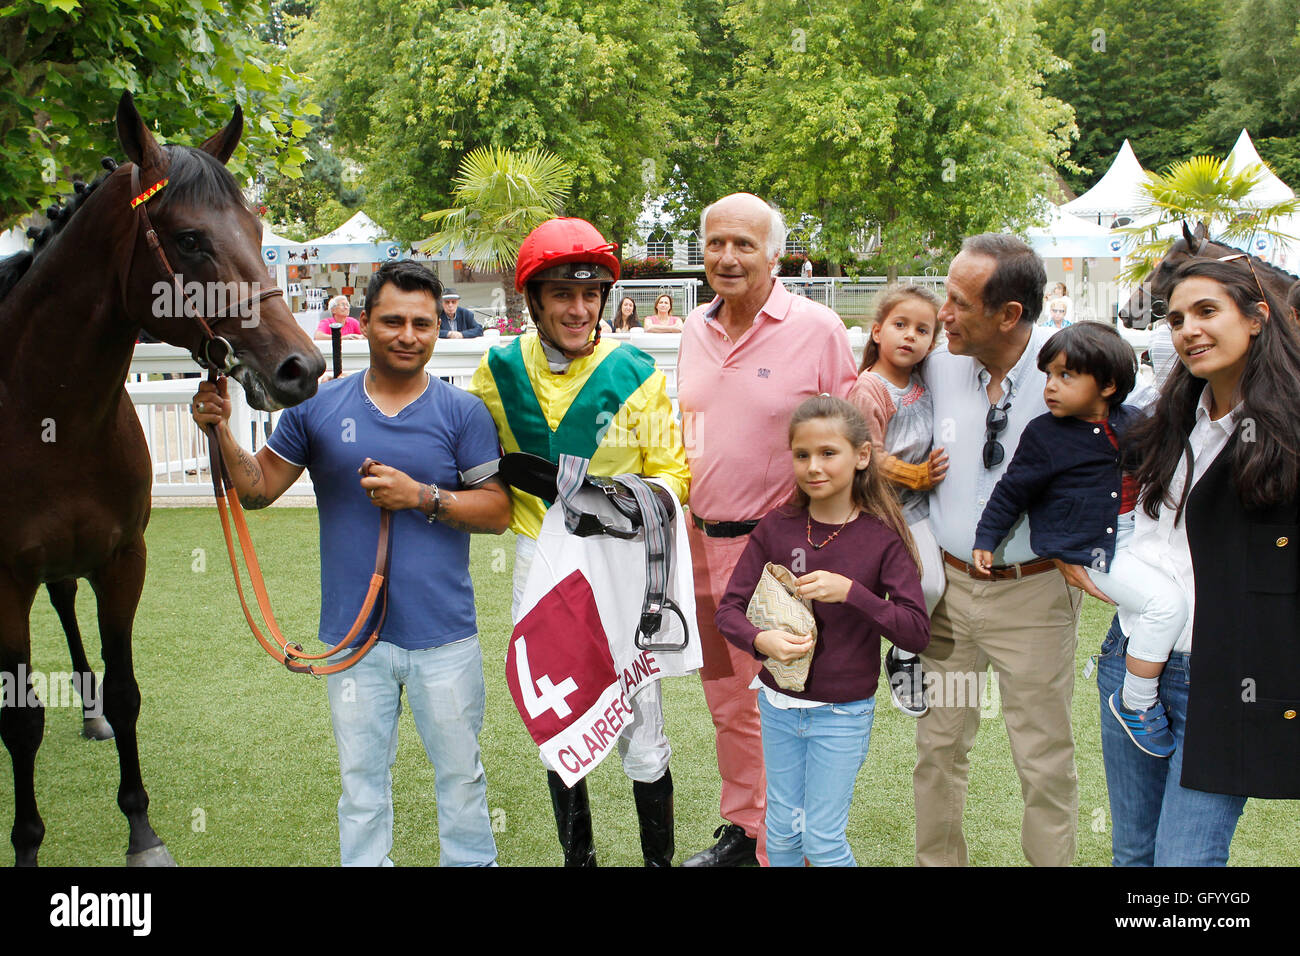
[(564, 391)]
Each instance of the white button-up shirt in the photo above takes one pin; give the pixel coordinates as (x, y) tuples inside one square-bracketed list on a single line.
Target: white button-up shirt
[(961, 404), (1156, 541)]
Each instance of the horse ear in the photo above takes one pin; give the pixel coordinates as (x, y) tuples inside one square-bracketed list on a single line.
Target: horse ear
[(1190, 239), (137, 142), (1202, 230), (222, 144)]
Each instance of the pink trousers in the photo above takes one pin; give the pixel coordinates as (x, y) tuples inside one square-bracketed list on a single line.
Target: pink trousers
[(726, 675)]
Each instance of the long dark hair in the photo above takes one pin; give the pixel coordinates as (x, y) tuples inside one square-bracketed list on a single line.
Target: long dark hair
[(888, 300), (871, 493), (622, 324), (1265, 464)]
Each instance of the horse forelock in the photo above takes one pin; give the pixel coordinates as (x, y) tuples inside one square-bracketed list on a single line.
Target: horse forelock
[(198, 179)]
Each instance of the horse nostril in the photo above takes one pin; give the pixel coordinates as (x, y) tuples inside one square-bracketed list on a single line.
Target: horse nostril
[(296, 376), (290, 370)]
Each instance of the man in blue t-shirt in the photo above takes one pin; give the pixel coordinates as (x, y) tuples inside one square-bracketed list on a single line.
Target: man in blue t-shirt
[(433, 439)]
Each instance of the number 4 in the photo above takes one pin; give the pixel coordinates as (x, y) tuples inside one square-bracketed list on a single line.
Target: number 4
[(544, 695)]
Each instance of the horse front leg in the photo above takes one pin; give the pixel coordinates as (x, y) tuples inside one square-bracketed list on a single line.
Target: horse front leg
[(22, 715), (63, 596), (117, 592)]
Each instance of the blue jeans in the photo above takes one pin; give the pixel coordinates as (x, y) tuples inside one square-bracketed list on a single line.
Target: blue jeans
[(812, 756), (444, 688), (1155, 820)]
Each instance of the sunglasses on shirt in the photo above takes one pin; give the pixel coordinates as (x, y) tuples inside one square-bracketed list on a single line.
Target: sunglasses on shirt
[(995, 422)]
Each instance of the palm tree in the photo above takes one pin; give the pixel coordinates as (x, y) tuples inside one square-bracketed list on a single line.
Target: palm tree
[(1201, 190), (500, 196)]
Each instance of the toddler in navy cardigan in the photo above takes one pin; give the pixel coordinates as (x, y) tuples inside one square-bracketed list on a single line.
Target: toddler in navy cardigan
[(1067, 474)]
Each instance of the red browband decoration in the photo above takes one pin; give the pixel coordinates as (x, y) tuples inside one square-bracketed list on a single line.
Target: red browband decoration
[(148, 193)]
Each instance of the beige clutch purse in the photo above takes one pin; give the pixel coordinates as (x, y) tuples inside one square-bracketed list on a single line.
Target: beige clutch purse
[(776, 606)]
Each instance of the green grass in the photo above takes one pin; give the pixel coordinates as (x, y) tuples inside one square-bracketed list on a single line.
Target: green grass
[(239, 760)]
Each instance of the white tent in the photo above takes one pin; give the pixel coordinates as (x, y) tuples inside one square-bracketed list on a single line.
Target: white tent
[(1269, 190), (1066, 236), (1116, 194)]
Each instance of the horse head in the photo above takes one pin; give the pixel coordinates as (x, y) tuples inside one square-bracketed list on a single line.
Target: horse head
[(1150, 300), (196, 266)]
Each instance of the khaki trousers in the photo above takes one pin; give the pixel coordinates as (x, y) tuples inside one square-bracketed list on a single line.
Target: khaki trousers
[(1027, 629)]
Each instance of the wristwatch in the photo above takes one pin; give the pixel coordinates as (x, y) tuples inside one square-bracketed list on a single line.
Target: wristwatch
[(437, 503)]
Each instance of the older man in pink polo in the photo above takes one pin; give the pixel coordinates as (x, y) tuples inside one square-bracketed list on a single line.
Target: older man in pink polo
[(747, 359)]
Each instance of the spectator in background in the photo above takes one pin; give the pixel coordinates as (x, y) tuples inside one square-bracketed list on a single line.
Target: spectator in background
[(1058, 291), (340, 307), (625, 320), (1057, 309), (662, 319), (457, 322)]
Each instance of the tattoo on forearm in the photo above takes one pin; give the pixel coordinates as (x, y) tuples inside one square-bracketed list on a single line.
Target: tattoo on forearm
[(426, 499), (250, 466)]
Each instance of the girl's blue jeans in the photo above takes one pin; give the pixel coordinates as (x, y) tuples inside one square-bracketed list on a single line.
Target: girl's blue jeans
[(812, 757)]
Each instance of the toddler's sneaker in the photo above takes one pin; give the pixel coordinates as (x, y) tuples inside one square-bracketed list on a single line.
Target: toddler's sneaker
[(906, 683), (1148, 729)]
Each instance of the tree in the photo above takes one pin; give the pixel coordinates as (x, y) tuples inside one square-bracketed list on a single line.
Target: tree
[(420, 83), (1259, 86), (187, 63), (500, 197), (928, 122), (319, 199), (706, 157), (1201, 190), (1117, 90)]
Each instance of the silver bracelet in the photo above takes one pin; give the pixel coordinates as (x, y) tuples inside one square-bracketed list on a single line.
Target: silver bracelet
[(437, 504)]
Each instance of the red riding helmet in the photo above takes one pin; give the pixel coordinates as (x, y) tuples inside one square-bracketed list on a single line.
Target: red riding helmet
[(566, 250)]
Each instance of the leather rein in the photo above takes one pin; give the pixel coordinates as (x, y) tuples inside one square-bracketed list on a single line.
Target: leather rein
[(288, 653)]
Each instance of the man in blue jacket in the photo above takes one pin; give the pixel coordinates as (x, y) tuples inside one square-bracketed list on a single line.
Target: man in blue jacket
[(457, 322)]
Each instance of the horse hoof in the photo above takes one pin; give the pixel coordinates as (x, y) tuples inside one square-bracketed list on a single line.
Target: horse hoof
[(96, 728), (154, 856)]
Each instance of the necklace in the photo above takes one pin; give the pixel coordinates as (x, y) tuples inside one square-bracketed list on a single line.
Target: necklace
[(817, 547)]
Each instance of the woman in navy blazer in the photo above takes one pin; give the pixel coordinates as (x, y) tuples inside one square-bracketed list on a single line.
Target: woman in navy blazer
[(1230, 414)]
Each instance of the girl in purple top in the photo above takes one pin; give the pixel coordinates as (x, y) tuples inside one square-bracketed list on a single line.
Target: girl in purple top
[(843, 535)]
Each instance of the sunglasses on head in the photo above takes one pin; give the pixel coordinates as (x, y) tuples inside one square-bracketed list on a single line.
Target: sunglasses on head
[(995, 422), (1255, 275)]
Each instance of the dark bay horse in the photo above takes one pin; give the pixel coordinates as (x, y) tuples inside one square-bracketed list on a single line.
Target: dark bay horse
[(1151, 299), (75, 474)]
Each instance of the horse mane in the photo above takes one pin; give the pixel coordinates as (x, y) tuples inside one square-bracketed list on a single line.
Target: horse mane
[(194, 177), (1276, 271), (13, 268)]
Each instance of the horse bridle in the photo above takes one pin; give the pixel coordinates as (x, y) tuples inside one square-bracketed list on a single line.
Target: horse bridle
[(288, 653), (203, 353)]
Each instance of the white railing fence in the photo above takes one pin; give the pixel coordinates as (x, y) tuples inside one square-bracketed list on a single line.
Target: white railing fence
[(684, 292), (179, 449)]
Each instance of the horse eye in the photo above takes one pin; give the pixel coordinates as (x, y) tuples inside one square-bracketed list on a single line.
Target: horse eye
[(188, 242)]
